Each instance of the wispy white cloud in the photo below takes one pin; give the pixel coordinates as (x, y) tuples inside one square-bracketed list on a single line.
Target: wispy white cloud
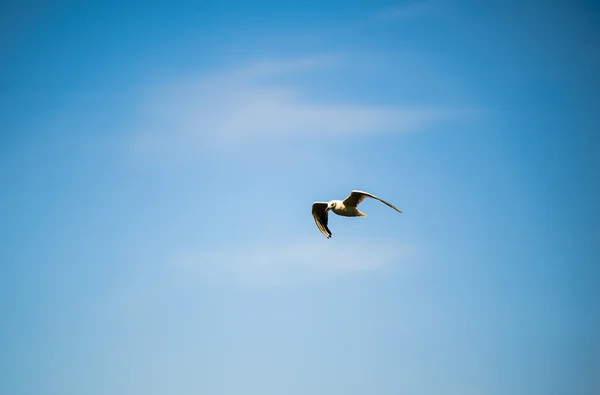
[(247, 107), (295, 262), (272, 67)]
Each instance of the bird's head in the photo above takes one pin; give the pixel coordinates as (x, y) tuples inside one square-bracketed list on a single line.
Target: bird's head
[(330, 206)]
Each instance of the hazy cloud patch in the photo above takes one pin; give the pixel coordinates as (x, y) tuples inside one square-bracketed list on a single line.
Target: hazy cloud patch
[(292, 262), (238, 109)]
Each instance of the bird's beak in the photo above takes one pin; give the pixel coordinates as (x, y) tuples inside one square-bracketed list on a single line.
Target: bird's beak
[(327, 209)]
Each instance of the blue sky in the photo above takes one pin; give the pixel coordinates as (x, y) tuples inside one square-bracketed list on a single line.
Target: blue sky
[(159, 160)]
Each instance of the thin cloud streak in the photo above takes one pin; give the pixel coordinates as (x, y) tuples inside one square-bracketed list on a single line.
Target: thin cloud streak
[(244, 108), (293, 262)]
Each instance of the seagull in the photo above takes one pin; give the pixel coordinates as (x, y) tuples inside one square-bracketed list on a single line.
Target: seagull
[(346, 208)]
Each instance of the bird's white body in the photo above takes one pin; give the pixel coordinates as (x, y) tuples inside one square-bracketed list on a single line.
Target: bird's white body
[(340, 208)]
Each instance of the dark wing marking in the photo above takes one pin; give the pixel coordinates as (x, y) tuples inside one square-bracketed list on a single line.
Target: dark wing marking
[(356, 197), (320, 216)]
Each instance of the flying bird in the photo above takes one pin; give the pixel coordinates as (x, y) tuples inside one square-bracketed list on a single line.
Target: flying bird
[(346, 208)]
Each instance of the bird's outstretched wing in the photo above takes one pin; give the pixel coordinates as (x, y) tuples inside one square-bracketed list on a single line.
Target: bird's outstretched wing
[(320, 216), (356, 197)]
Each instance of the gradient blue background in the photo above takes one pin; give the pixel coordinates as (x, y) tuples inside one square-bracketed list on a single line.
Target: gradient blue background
[(158, 161)]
